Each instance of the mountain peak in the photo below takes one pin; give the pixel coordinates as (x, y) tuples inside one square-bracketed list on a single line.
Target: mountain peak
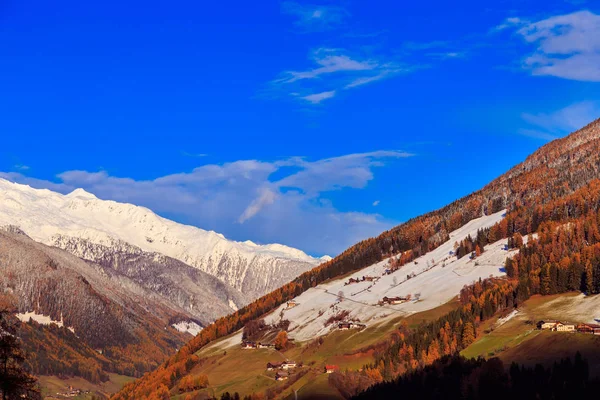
[(82, 194)]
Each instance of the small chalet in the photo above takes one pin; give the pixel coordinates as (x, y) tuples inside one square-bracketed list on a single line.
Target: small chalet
[(266, 345), (291, 304), (556, 326), (288, 365), (593, 329), (394, 300), (281, 376), (351, 281), (330, 369), (344, 326), (272, 366), (369, 278), (546, 325), (249, 345), (560, 327)]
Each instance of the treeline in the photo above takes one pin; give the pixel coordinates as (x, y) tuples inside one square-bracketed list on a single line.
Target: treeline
[(454, 377), (556, 170)]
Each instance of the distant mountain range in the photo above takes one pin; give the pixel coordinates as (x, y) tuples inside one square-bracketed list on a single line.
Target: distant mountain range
[(79, 220), (113, 287)]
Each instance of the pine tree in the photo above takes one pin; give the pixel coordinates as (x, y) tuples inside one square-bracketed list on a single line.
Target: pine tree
[(589, 278), (15, 382)]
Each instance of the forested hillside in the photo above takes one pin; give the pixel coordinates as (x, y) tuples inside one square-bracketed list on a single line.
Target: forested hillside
[(557, 185), (92, 324)]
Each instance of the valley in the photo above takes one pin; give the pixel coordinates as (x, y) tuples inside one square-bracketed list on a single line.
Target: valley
[(532, 231)]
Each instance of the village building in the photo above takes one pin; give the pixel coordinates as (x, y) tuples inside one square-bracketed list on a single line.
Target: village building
[(344, 326), (249, 345), (266, 345), (560, 327), (330, 369), (593, 329), (351, 281), (288, 365), (281, 376), (273, 365), (556, 326), (291, 304), (395, 300), (546, 325)]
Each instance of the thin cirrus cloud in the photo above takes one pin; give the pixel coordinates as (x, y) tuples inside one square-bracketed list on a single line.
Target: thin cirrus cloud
[(566, 46), (550, 126), (335, 70), (316, 98), (242, 200), (314, 18)]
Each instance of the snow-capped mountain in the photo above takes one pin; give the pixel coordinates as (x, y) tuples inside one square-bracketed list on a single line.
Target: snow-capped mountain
[(50, 217)]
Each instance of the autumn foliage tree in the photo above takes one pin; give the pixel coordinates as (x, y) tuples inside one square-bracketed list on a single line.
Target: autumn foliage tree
[(281, 341)]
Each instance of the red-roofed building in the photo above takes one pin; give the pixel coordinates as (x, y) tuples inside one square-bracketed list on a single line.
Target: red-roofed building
[(330, 369)]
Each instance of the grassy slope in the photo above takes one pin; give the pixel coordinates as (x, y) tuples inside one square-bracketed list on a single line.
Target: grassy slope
[(51, 385), (519, 341), (230, 368)]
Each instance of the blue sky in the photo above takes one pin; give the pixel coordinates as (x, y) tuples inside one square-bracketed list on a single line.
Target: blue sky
[(313, 124)]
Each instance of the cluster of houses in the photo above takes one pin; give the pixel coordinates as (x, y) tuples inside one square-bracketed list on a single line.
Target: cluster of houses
[(361, 279), (70, 392), (256, 345), (558, 326), (394, 300), (344, 326), (282, 369)]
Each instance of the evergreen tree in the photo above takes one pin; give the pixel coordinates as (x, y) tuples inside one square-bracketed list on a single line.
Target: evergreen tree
[(15, 382)]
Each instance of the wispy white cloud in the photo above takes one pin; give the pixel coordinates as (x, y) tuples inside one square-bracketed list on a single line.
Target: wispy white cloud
[(447, 55), (375, 203), (329, 61), (312, 18), (550, 126), (316, 98), (242, 199), (566, 46), (21, 167), (196, 155), (508, 23), (335, 70)]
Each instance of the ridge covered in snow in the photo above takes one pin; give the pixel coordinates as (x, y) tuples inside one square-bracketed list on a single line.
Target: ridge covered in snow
[(45, 215), (431, 280)]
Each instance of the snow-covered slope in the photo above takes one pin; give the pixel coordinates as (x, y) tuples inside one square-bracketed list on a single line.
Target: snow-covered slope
[(436, 278), (48, 216)]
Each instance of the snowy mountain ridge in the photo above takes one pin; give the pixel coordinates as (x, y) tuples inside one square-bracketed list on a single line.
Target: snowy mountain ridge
[(45, 216)]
